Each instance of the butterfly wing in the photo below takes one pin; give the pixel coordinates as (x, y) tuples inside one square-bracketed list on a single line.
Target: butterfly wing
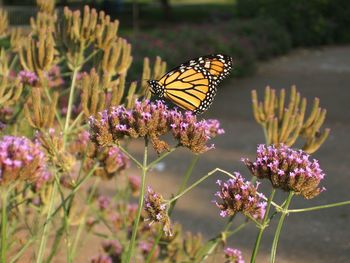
[(192, 86)]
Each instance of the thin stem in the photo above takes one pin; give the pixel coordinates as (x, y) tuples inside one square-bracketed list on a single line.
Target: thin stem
[(46, 225), (197, 183), (22, 250), (279, 227), (13, 62), (152, 164), (4, 193), (262, 227), (314, 208), (222, 235), (91, 56), (171, 208), (71, 194), (75, 122), (70, 102), (131, 157), (140, 205)]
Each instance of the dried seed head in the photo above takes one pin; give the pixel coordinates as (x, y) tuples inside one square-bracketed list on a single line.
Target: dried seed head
[(46, 6), (285, 124), (288, 169), (3, 23)]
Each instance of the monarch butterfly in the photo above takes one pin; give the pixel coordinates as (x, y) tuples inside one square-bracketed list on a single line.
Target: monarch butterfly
[(192, 85)]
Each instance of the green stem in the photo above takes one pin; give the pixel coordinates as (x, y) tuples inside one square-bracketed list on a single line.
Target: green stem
[(46, 225), (279, 227), (197, 183), (13, 62), (152, 164), (70, 102), (171, 208), (72, 193), (131, 157), (4, 193), (75, 122), (314, 208), (262, 227), (22, 250), (140, 205)]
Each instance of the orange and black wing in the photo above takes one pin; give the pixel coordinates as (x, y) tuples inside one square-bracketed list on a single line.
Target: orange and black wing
[(192, 85)]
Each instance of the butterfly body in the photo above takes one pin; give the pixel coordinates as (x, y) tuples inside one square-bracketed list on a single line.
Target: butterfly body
[(192, 86)]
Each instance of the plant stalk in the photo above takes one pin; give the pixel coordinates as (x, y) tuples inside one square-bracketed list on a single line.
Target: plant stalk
[(140, 205), (262, 227), (3, 224), (46, 225), (279, 227)]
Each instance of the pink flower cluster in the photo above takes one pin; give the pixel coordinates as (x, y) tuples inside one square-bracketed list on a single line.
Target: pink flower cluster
[(288, 169), (28, 77), (21, 159), (152, 120), (233, 255), (237, 195), (157, 210)]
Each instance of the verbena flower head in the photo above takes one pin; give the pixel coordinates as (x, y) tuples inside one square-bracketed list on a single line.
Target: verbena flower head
[(288, 169), (233, 255), (153, 119), (237, 195), (157, 210), (21, 159), (28, 77)]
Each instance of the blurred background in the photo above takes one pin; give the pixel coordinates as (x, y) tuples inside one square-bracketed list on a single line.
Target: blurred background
[(273, 42)]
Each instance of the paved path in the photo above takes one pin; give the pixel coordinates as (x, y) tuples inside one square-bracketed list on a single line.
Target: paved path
[(322, 236)]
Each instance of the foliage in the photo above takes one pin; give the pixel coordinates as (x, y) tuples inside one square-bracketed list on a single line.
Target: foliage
[(245, 40), (309, 23)]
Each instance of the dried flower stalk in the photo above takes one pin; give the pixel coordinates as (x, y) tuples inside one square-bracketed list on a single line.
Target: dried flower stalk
[(52, 142), (38, 114), (17, 39), (10, 91), (3, 23), (93, 96), (159, 69), (38, 54), (46, 6), (284, 124)]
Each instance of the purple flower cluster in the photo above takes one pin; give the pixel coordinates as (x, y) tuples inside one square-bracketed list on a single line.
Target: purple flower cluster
[(153, 119), (116, 160), (157, 210), (28, 77), (233, 255), (288, 169), (21, 159), (237, 195)]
